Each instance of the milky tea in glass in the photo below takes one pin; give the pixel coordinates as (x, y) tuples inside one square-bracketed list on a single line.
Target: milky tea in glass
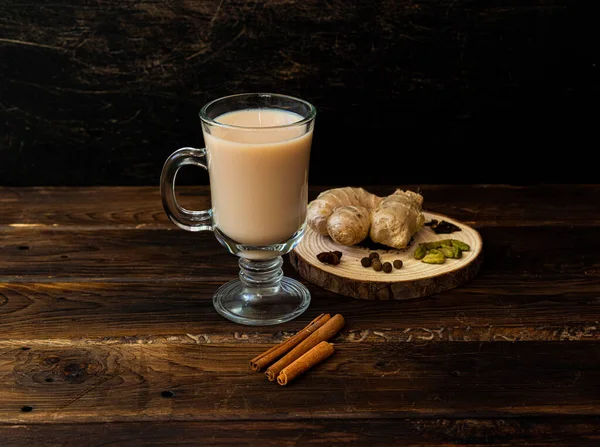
[(258, 178), (257, 156)]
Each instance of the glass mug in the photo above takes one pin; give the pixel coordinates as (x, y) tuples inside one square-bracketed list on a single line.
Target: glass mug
[(257, 155)]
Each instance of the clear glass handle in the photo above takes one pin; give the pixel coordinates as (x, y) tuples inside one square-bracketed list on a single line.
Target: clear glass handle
[(186, 219)]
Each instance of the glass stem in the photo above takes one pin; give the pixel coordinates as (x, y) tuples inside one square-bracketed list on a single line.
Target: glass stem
[(262, 276)]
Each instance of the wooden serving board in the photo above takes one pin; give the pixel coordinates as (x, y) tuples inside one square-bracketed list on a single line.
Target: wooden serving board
[(414, 279)]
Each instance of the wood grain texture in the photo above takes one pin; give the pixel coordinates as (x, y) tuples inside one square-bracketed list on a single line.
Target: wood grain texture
[(553, 431), (414, 280), (140, 207), (108, 335), (102, 92), (144, 382), (34, 255), (181, 313)]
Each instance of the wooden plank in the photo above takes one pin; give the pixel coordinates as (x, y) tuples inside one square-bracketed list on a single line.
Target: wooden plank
[(122, 255), (86, 382), (140, 207), (547, 431), (93, 207), (112, 254), (182, 312)]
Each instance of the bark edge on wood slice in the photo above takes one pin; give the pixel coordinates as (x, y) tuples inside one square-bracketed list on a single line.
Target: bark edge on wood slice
[(414, 279)]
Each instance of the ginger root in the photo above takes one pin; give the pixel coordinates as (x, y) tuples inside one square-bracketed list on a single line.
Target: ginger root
[(348, 215), (397, 218)]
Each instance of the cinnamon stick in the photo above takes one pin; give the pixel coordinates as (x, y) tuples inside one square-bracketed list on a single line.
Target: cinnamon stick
[(309, 359), (324, 333), (269, 356)]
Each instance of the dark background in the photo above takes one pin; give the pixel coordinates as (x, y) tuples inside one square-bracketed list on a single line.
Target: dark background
[(425, 91)]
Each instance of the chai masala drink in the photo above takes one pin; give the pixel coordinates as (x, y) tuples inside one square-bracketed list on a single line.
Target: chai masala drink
[(259, 178), (257, 150)]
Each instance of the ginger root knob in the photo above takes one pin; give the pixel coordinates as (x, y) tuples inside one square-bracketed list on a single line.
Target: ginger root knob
[(397, 219), (320, 210), (349, 225), (348, 215)]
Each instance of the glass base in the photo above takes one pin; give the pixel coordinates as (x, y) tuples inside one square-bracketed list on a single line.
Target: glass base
[(262, 306)]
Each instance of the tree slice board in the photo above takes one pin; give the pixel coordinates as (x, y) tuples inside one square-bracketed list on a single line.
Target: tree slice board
[(414, 279)]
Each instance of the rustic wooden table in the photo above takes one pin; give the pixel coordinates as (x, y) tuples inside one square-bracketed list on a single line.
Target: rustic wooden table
[(108, 335)]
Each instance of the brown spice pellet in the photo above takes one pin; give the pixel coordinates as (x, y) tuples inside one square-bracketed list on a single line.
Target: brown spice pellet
[(387, 267), (338, 254), (398, 263), (328, 257), (365, 262), (374, 255), (377, 265), (323, 256)]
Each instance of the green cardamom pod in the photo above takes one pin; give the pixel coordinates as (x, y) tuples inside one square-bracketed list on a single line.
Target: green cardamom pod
[(421, 251), (452, 252), (432, 245), (434, 258), (437, 244), (460, 244), (448, 251)]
